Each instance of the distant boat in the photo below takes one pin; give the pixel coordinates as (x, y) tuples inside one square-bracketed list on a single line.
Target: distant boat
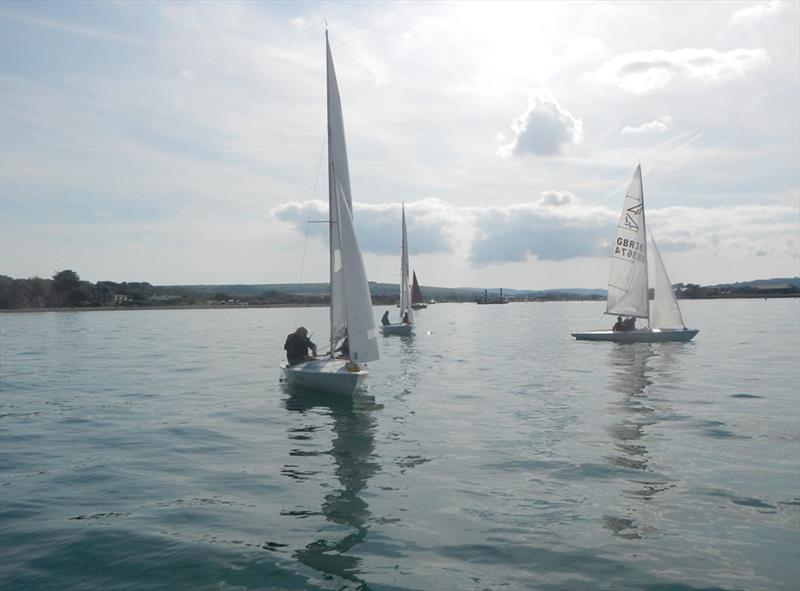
[(417, 302), (628, 293), (485, 299), (351, 315), (403, 328)]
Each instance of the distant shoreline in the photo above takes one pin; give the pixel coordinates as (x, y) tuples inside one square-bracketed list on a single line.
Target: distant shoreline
[(747, 296), (140, 308)]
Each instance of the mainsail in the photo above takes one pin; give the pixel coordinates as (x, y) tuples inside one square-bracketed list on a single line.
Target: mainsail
[(338, 189), (416, 292), (351, 305), (627, 279), (664, 310), (405, 288)]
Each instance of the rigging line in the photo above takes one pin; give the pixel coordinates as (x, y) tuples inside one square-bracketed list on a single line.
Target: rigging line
[(308, 218), (693, 135)]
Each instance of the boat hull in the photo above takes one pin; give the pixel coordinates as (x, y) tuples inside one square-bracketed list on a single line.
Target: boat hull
[(324, 375), (642, 335), (402, 330)]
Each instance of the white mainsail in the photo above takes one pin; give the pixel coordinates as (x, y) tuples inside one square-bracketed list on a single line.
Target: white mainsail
[(405, 286), (627, 279), (664, 310), (338, 188), (351, 305)]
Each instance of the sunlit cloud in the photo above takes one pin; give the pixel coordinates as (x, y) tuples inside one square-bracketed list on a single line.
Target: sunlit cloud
[(659, 125), (748, 229), (641, 72), (544, 129), (757, 11)]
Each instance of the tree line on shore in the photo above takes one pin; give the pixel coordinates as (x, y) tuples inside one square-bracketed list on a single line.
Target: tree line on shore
[(66, 290)]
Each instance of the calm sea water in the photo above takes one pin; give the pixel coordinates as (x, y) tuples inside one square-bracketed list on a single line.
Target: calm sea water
[(157, 450)]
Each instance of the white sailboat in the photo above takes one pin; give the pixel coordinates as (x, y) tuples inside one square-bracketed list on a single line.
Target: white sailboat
[(403, 328), (351, 312), (628, 292)]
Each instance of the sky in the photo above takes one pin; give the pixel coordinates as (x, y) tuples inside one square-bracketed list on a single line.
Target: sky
[(184, 142)]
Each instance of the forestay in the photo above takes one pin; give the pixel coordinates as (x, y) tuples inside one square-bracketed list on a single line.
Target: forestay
[(664, 310), (627, 280)]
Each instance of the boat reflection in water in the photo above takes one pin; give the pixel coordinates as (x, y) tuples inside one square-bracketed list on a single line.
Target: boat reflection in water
[(638, 370), (352, 447)]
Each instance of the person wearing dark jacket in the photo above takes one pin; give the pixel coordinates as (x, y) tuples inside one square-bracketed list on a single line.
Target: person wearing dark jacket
[(344, 349), (297, 345), (385, 318), (618, 325)]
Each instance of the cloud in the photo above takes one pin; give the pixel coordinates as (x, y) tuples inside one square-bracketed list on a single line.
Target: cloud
[(757, 11), (659, 125), (752, 230), (641, 72), (378, 226), (557, 198), (555, 227), (545, 129)]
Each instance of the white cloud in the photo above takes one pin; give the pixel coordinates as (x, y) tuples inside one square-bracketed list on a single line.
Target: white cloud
[(557, 199), (558, 226), (659, 125), (757, 11), (555, 227), (747, 229), (545, 129), (641, 72), (378, 225)]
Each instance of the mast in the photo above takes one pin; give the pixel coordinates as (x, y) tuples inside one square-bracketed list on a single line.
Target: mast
[(403, 303), (644, 232), (330, 186)]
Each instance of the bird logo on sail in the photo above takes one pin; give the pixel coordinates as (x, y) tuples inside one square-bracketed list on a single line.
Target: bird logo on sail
[(630, 220)]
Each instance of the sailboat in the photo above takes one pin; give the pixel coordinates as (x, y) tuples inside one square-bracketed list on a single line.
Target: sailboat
[(351, 314), (485, 299), (417, 303), (403, 328), (628, 292)]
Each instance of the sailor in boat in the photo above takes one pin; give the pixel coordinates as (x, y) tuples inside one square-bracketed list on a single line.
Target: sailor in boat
[(297, 346), (629, 323), (385, 318), (405, 319), (618, 325), (343, 350)]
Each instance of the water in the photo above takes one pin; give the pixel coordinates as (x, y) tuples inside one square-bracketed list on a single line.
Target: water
[(157, 450)]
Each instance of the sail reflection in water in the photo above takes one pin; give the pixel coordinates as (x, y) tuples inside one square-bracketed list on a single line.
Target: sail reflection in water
[(637, 371), (353, 428)]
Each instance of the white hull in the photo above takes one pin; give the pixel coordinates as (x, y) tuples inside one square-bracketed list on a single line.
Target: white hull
[(325, 375), (641, 335), (403, 330)]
